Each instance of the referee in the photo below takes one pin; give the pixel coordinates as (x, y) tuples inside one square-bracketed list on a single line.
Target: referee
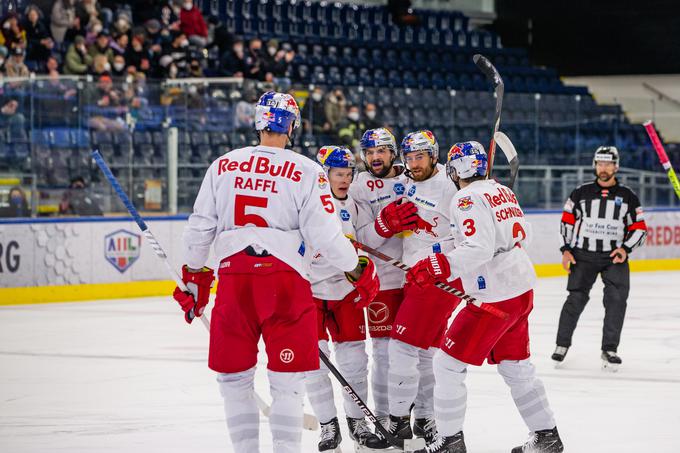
[(601, 224)]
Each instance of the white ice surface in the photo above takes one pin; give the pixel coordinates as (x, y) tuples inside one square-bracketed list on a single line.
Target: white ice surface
[(130, 376)]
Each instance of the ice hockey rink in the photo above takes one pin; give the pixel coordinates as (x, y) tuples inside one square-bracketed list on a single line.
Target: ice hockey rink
[(130, 376)]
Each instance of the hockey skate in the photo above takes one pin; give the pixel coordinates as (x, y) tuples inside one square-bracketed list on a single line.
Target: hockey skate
[(425, 428), (544, 441), (559, 355), (364, 439), (330, 436), (610, 361), (399, 427), (446, 444)]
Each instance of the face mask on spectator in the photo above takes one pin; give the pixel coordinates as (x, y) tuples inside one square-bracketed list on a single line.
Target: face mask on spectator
[(317, 96), (119, 66), (173, 71), (96, 29), (353, 116), (188, 5), (370, 114), (107, 67), (184, 43), (271, 50)]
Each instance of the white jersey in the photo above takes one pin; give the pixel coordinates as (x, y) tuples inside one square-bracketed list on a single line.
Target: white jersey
[(371, 194), (433, 234), (327, 282), (490, 231), (272, 199)]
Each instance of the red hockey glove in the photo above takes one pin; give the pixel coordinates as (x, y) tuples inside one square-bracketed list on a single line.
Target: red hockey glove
[(398, 216), (428, 271), (368, 283), (199, 284)]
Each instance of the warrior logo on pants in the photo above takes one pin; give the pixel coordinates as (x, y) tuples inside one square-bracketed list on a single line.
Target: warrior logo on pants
[(287, 356)]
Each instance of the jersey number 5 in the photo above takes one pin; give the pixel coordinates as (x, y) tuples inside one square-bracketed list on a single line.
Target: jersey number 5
[(243, 219), (328, 203)]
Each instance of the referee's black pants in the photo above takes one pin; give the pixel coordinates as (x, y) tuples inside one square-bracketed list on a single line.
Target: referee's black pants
[(616, 279)]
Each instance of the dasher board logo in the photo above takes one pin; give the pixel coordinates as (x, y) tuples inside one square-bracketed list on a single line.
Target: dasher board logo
[(122, 248)]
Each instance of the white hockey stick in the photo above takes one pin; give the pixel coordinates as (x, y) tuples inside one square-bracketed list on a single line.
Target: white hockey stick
[(309, 421), (510, 152)]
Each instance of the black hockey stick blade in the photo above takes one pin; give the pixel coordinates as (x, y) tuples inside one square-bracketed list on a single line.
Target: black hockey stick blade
[(406, 445), (488, 69)]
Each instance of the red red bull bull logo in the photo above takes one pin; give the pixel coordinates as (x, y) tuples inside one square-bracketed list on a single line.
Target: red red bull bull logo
[(322, 181), (425, 226), (429, 136), (455, 152), (269, 117)]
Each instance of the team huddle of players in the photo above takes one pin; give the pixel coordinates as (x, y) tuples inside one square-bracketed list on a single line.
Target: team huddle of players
[(449, 223)]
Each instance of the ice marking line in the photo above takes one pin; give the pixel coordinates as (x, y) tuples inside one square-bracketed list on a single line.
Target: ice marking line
[(100, 356)]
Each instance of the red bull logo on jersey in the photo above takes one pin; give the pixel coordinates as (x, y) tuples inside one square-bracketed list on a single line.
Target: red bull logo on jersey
[(122, 249), (465, 203), (322, 180), (425, 226)]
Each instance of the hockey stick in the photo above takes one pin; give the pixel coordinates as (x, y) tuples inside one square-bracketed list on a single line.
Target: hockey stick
[(443, 286), (405, 444), (510, 152), (494, 77), (663, 157), (309, 421)]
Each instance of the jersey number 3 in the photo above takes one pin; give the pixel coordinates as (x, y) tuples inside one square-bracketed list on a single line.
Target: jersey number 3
[(243, 219), (470, 225)]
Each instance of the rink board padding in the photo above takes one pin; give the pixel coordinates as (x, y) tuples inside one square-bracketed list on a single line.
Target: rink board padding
[(56, 260)]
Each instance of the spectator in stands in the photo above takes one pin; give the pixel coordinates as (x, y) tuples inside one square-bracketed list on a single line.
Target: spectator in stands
[(12, 34), (122, 24), (119, 44), (17, 205), (86, 11), (77, 60), (16, 67), (112, 102), (138, 54), (222, 38), (101, 47), (77, 200), (57, 99), (351, 129), (314, 115), (12, 122), (192, 24), (233, 62), (195, 68), (335, 107), (39, 44), (174, 57), (255, 60), (371, 117), (3, 59), (62, 19), (118, 68)]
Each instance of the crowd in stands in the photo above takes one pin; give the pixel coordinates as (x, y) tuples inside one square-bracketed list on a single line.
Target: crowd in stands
[(158, 38)]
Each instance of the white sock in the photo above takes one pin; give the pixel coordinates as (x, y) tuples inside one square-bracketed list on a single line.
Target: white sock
[(320, 390), (285, 420), (402, 377), (379, 376), (528, 392), (450, 393), (352, 362), (424, 403), (240, 409)]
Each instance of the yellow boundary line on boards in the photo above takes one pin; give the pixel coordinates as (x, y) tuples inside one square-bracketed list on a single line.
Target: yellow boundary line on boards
[(97, 291)]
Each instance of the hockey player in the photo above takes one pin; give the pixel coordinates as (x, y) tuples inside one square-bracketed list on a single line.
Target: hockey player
[(602, 223), (490, 231), (421, 320), (263, 206), (340, 314), (375, 192)]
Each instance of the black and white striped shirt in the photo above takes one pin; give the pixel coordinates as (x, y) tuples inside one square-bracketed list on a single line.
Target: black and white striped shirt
[(601, 219)]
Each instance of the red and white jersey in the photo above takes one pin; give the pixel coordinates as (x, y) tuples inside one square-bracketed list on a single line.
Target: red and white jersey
[(272, 199), (328, 283), (371, 194), (433, 234), (490, 231)]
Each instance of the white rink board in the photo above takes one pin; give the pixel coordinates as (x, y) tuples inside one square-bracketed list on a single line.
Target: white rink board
[(130, 376), (73, 251)]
